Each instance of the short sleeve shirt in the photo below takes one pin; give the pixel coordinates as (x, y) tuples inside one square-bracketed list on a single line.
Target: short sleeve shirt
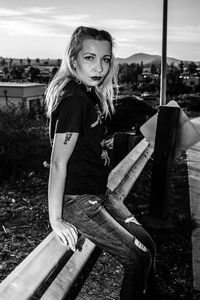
[(88, 166)]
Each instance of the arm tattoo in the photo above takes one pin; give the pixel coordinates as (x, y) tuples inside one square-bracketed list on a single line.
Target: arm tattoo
[(68, 136)]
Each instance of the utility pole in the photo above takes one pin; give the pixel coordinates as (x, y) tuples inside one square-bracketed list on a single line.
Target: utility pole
[(163, 78)]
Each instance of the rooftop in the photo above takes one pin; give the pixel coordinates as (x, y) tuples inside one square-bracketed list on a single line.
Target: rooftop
[(20, 84)]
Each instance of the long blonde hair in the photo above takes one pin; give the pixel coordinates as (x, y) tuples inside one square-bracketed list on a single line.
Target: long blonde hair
[(66, 71)]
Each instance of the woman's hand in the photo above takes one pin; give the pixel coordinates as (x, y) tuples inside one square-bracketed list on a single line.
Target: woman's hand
[(66, 232)]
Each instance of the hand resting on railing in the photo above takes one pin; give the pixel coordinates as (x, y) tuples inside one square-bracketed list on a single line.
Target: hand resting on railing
[(67, 233)]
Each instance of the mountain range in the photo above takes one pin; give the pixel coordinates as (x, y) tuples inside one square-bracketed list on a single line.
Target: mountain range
[(135, 58), (148, 59)]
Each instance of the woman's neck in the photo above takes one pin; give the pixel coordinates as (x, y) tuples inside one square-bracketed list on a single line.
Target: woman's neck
[(88, 88)]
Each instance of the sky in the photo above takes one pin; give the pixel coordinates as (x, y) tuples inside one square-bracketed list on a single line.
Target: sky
[(42, 28)]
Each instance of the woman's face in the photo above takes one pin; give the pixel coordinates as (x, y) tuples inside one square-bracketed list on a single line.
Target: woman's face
[(93, 61)]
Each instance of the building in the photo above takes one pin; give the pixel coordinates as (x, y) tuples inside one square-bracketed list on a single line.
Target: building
[(31, 94), (147, 76)]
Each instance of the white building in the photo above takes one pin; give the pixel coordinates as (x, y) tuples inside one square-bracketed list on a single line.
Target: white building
[(29, 93)]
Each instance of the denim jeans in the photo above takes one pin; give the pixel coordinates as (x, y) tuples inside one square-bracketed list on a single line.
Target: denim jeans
[(106, 221)]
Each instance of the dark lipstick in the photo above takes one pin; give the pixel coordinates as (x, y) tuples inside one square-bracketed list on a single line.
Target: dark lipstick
[(96, 78)]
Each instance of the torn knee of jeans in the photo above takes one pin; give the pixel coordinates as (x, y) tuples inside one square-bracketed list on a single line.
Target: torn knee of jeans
[(140, 245), (132, 219), (92, 202)]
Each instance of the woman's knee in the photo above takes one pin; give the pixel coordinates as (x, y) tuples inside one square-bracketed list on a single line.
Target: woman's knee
[(143, 237)]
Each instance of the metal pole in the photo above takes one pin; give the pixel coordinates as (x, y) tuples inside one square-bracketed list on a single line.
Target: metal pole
[(163, 58), (165, 144)]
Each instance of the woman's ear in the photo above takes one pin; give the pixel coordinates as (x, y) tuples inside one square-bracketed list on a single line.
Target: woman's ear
[(74, 64)]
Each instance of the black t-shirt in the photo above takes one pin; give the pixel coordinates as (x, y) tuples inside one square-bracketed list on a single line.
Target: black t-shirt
[(87, 168)]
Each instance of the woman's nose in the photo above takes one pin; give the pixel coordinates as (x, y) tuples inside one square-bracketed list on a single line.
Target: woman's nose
[(99, 67)]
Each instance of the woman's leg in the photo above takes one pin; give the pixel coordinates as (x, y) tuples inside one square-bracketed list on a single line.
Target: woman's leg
[(121, 213), (88, 214)]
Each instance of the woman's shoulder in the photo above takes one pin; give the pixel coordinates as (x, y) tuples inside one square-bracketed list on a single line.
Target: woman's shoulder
[(74, 91), (73, 98)]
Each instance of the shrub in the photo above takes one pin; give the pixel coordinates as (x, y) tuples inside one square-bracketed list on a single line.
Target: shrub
[(129, 113), (193, 103), (24, 143), (190, 102)]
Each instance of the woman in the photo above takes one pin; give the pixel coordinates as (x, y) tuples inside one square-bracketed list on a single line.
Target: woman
[(79, 98)]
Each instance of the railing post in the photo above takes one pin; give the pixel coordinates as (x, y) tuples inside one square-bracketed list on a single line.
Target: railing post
[(164, 150), (123, 143)]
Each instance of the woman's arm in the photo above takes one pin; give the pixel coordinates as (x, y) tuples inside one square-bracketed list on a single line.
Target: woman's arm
[(63, 147)]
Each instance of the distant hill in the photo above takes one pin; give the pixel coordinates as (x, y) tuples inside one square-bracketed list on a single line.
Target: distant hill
[(146, 59), (135, 58)]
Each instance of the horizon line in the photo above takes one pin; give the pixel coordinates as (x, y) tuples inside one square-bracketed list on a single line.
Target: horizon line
[(117, 57)]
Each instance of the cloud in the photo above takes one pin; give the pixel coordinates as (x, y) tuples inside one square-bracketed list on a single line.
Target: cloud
[(5, 12), (38, 9), (185, 34), (28, 21), (72, 20), (29, 28), (124, 24), (48, 21), (21, 11)]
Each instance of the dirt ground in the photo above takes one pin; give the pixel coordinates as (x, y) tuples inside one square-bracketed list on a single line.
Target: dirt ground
[(24, 224)]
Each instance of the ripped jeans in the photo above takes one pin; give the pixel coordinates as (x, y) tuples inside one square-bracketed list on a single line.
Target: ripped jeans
[(107, 222)]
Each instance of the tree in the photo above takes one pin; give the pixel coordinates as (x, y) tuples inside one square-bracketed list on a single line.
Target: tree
[(153, 69), (172, 67), (3, 62), (28, 61), (197, 88), (17, 72), (46, 63), (192, 68), (33, 74), (37, 61), (124, 74), (54, 70), (128, 73), (175, 85), (5, 71), (142, 65), (58, 62), (139, 69), (10, 62), (181, 66)]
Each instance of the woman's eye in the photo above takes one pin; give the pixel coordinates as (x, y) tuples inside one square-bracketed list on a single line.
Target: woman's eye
[(107, 60), (90, 58)]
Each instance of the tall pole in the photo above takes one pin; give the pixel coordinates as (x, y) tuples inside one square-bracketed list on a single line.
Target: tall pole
[(165, 140), (163, 79)]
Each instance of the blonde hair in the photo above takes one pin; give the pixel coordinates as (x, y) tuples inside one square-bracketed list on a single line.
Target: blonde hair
[(66, 71)]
